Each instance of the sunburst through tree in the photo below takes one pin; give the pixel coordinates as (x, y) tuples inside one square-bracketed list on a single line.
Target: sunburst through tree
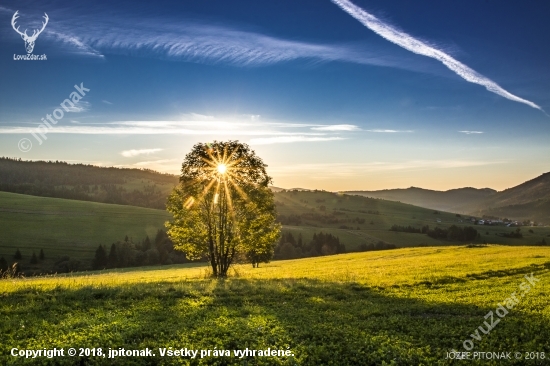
[(223, 209)]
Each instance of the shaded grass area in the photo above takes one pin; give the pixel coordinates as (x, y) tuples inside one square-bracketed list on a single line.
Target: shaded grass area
[(67, 227), (360, 309)]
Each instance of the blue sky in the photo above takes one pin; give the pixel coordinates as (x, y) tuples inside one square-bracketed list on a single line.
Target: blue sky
[(334, 95)]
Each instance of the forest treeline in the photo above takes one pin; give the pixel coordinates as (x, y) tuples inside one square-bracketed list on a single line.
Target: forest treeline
[(290, 247), (85, 182), (126, 253), (454, 232)]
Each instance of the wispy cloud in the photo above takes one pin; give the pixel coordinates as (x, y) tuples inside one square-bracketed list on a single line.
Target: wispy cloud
[(81, 106), (132, 153), (389, 131), (471, 132), (336, 128), (196, 125), (107, 102), (288, 139), (78, 46), (260, 132), (189, 40), (419, 47)]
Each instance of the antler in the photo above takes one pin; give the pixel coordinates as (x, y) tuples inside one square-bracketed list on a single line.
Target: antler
[(35, 34), (13, 19)]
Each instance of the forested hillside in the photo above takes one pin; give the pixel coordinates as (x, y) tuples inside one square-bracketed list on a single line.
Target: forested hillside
[(136, 187)]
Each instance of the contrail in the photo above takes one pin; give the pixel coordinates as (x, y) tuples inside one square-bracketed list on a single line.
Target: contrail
[(412, 44)]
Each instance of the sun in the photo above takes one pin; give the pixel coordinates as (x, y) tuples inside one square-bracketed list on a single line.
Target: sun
[(222, 168)]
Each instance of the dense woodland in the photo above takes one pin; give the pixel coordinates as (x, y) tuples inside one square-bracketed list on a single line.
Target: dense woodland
[(126, 253), (85, 182), (453, 233), (290, 247)]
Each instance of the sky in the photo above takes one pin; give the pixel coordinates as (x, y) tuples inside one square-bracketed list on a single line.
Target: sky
[(331, 94)]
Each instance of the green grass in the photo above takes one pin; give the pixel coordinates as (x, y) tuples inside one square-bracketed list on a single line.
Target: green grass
[(68, 227), (406, 306), (75, 228), (376, 226)]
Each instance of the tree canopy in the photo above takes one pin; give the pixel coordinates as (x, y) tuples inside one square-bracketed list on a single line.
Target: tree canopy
[(223, 209)]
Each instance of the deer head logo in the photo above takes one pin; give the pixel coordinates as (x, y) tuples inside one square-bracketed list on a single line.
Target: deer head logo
[(29, 40)]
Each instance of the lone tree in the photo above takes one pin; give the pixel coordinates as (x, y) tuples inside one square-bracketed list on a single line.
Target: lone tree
[(223, 208)]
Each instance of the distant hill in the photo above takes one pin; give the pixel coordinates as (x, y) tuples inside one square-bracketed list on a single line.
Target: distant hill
[(527, 201), (147, 188), (454, 200), (136, 187)]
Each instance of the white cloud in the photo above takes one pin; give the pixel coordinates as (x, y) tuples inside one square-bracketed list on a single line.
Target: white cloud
[(336, 128), (107, 102), (78, 46), (288, 139), (471, 132), (188, 40), (389, 131), (132, 153), (419, 47), (79, 107)]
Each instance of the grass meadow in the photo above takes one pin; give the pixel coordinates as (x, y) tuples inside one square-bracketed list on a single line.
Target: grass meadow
[(68, 227), (72, 228), (407, 306)]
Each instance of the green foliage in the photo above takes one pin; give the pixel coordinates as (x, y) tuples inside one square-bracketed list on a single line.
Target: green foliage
[(18, 256), (100, 260), (320, 244), (126, 253), (514, 234), (223, 214), (406, 229), (454, 232)]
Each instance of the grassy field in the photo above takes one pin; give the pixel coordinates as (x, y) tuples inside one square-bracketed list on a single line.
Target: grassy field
[(405, 307), (383, 214), (68, 227), (76, 228)]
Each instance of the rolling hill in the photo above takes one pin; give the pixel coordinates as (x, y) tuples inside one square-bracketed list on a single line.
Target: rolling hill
[(527, 201), (76, 227), (73, 228), (135, 187), (453, 200), (147, 188)]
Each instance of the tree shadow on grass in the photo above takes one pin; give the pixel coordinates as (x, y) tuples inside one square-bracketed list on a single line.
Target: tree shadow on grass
[(320, 322)]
